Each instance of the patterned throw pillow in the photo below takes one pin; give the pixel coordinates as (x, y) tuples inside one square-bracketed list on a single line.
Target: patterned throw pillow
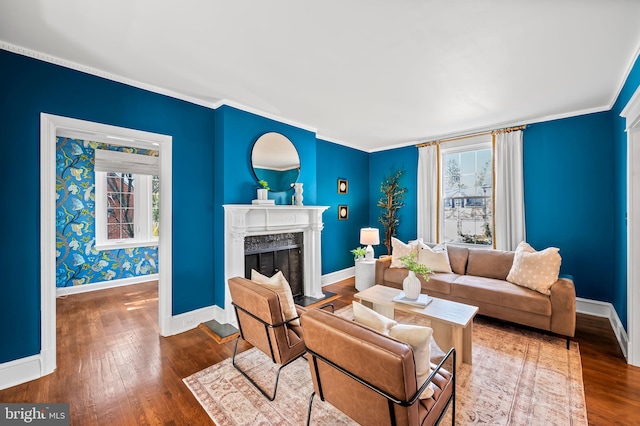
[(435, 258), (400, 249), (280, 285), (537, 270)]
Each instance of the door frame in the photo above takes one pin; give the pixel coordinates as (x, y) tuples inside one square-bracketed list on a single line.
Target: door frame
[(631, 113), (49, 125)]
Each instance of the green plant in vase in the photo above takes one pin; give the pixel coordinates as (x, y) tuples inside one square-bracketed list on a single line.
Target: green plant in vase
[(412, 264), (358, 253), (264, 184)]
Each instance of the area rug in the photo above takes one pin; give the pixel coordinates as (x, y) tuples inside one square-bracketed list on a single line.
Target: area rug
[(518, 377)]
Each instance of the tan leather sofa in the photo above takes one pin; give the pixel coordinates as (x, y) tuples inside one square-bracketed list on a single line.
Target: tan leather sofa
[(479, 279)]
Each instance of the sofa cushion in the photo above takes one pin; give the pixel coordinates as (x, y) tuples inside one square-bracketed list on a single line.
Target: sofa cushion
[(489, 263), (499, 292), (400, 249), (458, 257), (537, 270), (435, 258)]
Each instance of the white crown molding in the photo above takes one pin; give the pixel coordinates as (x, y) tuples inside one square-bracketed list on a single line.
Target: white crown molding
[(624, 78), (98, 73), (215, 105)]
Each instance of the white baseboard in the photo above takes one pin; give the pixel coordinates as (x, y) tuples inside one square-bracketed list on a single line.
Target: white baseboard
[(65, 291), (21, 370), (190, 320), (336, 276), (605, 310)]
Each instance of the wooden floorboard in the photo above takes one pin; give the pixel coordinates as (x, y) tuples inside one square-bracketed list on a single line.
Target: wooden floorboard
[(115, 368)]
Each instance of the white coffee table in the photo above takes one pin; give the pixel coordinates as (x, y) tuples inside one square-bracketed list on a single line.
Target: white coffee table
[(452, 322)]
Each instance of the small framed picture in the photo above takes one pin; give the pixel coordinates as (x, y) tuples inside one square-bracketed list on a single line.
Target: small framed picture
[(343, 186), (343, 212)]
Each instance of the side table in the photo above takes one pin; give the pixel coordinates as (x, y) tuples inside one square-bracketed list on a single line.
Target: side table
[(365, 274)]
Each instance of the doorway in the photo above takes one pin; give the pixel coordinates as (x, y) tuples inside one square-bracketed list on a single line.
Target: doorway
[(50, 126)]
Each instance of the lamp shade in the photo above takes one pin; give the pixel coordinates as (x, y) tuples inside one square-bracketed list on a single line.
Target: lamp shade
[(369, 236)]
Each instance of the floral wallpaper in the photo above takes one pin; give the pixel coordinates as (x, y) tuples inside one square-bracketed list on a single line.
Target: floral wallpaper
[(77, 260)]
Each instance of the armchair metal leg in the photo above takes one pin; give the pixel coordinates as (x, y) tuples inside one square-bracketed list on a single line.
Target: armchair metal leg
[(309, 411), (275, 388)]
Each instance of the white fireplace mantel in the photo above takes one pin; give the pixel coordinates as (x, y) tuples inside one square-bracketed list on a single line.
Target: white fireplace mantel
[(243, 220)]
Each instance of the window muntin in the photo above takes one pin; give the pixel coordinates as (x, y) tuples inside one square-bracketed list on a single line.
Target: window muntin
[(466, 203), (127, 210)]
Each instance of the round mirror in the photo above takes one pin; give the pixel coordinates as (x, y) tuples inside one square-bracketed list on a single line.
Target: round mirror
[(275, 160)]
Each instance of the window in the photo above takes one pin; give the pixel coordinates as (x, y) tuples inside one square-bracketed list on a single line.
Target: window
[(127, 210), (466, 203)]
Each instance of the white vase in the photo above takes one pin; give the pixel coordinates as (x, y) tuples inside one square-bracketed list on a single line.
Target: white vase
[(411, 286), (298, 191), (263, 194)]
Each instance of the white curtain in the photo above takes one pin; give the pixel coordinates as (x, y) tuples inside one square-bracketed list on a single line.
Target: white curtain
[(428, 193), (509, 195)]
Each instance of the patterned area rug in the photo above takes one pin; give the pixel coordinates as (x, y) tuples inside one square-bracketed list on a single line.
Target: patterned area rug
[(518, 377)]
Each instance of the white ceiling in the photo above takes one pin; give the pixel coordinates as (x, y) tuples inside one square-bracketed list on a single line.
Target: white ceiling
[(370, 74)]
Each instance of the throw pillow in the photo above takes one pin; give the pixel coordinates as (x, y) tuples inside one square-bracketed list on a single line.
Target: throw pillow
[(419, 338), (435, 258), (400, 249), (370, 318), (537, 270), (280, 285)]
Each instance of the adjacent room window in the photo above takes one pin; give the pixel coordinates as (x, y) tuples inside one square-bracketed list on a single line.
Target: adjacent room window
[(127, 210), (466, 194)]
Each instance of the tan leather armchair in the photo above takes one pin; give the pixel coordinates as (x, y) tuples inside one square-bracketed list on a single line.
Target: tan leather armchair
[(262, 324), (372, 377)]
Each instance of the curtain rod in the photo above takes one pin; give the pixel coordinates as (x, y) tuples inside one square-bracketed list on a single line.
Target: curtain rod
[(457, 138)]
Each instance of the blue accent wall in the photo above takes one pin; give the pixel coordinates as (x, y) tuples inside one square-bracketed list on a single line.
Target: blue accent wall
[(339, 237), (29, 87), (386, 163), (569, 201)]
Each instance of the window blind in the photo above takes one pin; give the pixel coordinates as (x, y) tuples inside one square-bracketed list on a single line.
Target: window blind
[(124, 162)]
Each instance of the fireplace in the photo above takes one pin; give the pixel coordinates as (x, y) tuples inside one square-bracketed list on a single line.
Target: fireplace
[(271, 253), (242, 221)]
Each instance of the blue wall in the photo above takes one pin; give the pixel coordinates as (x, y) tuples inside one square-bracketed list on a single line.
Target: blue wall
[(569, 202), (29, 87), (386, 163), (340, 236)]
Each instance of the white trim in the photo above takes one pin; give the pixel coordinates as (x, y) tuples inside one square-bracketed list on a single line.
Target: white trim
[(631, 113), (45, 57), (190, 320), (263, 114), (597, 308), (334, 277), (624, 78), (21, 370), (48, 126), (65, 291)]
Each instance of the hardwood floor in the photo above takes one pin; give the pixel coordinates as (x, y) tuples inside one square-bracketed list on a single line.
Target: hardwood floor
[(115, 369)]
